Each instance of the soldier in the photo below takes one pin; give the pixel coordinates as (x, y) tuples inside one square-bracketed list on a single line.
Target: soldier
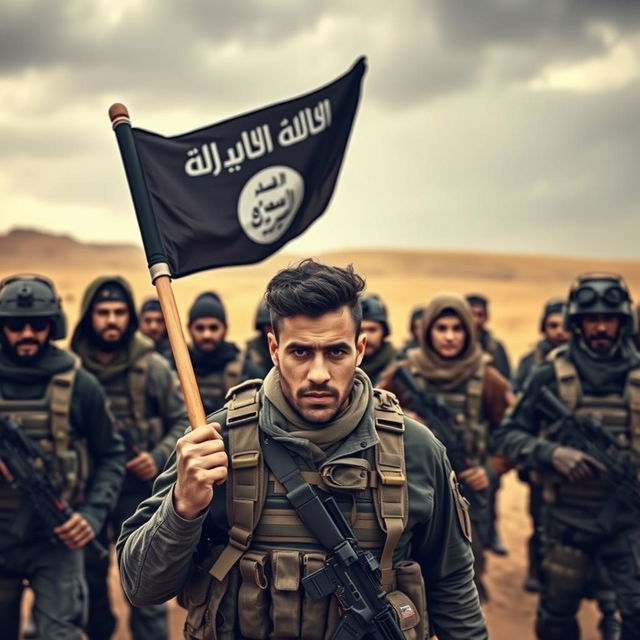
[(240, 570), (379, 352), (152, 325), (150, 415), (257, 351), (449, 362), (63, 409), (500, 360), (596, 374), (553, 335), (218, 364), (495, 348), (552, 330), (412, 341)]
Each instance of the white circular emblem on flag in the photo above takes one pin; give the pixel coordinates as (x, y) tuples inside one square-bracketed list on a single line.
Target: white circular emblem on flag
[(269, 202)]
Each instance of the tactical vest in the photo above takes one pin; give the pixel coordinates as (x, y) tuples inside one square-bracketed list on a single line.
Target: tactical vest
[(46, 421), (253, 588), (467, 406), (619, 413), (128, 402), (214, 386)]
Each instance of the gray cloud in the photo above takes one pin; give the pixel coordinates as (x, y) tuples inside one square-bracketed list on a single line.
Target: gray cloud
[(449, 138)]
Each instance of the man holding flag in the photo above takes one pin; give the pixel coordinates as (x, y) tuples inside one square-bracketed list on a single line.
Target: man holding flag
[(233, 194)]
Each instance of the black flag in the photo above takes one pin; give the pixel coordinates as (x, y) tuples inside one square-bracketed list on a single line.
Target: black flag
[(235, 192)]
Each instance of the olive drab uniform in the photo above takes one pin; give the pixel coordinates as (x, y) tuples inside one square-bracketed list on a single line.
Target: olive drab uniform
[(256, 578), (257, 352)]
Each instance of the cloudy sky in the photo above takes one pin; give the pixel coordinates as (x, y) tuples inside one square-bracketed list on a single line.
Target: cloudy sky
[(493, 125)]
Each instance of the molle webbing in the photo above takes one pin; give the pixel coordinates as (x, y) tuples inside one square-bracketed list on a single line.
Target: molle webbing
[(246, 486), (378, 527), (606, 408), (391, 498), (46, 420), (137, 379)]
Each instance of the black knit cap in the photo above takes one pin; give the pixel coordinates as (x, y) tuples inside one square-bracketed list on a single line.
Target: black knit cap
[(111, 292), (150, 304), (208, 305)]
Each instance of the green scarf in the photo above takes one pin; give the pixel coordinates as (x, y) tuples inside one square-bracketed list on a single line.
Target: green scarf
[(280, 420), (137, 346)]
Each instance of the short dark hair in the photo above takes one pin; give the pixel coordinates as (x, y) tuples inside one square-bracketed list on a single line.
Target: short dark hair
[(313, 289)]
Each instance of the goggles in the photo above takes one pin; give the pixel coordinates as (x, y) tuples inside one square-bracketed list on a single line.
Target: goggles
[(18, 324), (613, 296)]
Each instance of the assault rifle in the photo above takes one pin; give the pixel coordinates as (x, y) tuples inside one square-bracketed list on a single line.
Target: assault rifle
[(439, 418), (28, 465), (349, 572), (590, 436)]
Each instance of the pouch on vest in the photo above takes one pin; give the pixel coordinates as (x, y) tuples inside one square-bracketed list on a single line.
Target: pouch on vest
[(202, 597), (411, 583), (253, 596), (406, 614), (285, 593), (346, 474), (314, 612)]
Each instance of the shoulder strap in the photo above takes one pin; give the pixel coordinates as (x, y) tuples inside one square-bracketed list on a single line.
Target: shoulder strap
[(247, 484), (632, 394), (391, 495), (137, 387), (474, 394), (569, 388), (60, 402)]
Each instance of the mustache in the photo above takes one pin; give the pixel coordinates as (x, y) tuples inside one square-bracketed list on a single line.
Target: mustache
[(27, 341), (602, 335), (112, 327), (318, 389)]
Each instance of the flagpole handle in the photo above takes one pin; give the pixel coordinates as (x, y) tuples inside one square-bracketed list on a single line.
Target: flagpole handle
[(157, 262)]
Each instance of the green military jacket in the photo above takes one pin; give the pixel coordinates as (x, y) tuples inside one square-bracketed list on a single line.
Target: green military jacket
[(156, 547)]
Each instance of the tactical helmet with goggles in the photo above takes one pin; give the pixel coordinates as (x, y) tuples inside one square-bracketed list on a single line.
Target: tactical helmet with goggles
[(28, 295), (374, 309), (600, 292)]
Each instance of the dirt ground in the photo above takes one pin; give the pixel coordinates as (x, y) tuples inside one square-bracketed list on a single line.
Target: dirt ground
[(516, 285)]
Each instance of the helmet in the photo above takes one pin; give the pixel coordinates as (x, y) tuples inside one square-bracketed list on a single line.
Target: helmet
[(554, 305), (373, 309), (262, 316), (29, 295), (600, 292)]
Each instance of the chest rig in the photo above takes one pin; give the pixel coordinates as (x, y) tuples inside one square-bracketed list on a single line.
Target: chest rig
[(214, 386), (619, 414), (467, 407), (128, 401), (46, 421), (270, 550)]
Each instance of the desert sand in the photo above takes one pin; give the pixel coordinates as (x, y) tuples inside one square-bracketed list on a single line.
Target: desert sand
[(517, 286)]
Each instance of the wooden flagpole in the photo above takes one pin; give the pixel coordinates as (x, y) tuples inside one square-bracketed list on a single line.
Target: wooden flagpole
[(157, 262)]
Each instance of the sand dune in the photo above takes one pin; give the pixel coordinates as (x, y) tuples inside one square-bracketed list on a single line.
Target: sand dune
[(516, 285)]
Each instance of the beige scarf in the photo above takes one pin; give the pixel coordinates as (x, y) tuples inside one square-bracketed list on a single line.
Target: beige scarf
[(320, 437), (446, 374)]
